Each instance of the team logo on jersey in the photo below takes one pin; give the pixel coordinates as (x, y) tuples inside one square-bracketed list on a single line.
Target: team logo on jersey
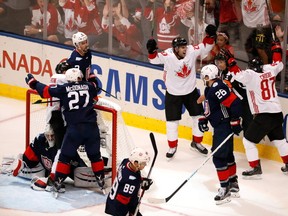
[(46, 162), (184, 71), (249, 6), (132, 177)]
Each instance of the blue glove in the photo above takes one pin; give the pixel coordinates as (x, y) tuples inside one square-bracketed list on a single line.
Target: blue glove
[(236, 125), (203, 124), (92, 78), (31, 81)]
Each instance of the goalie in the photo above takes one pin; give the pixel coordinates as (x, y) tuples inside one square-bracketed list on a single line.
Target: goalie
[(37, 161)]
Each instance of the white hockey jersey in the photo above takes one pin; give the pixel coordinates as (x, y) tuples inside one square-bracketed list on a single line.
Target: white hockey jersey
[(254, 13), (260, 88), (56, 79), (181, 74)]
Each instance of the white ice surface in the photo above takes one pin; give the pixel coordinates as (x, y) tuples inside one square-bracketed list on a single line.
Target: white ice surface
[(265, 197)]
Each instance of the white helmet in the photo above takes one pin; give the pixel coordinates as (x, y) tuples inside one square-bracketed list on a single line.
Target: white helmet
[(139, 155), (78, 38), (49, 134), (209, 70), (73, 75)]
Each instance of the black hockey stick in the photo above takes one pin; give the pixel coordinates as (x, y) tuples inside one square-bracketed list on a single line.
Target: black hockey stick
[(165, 200), (270, 19), (41, 101), (152, 138), (118, 96)]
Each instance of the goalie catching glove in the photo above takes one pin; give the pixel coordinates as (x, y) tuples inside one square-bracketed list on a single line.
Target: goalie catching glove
[(146, 183), (151, 46)]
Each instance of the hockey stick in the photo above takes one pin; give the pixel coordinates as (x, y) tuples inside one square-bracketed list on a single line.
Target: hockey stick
[(118, 96), (165, 200), (270, 19), (41, 101), (153, 21), (152, 138), (285, 127)]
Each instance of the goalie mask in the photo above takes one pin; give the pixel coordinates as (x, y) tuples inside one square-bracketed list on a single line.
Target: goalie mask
[(49, 134), (209, 72), (139, 155)]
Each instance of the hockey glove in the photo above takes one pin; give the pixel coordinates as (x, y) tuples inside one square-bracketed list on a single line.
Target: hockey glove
[(276, 46), (151, 46), (203, 124), (92, 78), (146, 183), (31, 81), (236, 125), (211, 31)]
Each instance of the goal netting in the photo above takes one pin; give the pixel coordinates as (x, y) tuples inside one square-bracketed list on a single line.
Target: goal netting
[(116, 142)]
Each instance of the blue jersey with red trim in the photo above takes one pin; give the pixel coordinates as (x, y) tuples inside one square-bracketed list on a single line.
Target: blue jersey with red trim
[(220, 103), (82, 62), (76, 99), (123, 196)]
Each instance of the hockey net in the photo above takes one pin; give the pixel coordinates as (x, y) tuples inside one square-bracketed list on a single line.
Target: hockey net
[(116, 142)]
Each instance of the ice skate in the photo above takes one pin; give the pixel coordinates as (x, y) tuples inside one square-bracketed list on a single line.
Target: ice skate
[(101, 183), (57, 188), (223, 196), (234, 189), (171, 152), (253, 173), (199, 147), (284, 169)]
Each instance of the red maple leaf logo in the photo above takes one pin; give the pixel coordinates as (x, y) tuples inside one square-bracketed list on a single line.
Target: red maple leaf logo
[(249, 6), (184, 72)]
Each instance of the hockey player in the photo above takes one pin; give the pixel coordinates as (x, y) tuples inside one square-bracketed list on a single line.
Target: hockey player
[(42, 150), (223, 110), (53, 110), (77, 100), (81, 56), (122, 199), (221, 61), (179, 63), (264, 104)]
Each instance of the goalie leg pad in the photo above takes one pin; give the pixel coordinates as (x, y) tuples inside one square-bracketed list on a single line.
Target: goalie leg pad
[(30, 173)]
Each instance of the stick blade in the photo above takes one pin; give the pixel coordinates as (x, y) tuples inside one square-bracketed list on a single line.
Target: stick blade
[(156, 200)]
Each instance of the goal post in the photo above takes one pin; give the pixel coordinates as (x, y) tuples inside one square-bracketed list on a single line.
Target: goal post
[(119, 142)]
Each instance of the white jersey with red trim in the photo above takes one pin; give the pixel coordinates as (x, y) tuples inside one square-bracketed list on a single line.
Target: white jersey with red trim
[(56, 79), (254, 13), (181, 74), (260, 88)]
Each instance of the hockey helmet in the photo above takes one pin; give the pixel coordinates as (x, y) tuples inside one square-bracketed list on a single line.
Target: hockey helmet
[(210, 71), (179, 41), (256, 65), (139, 155), (220, 57), (49, 134), (62, 67), (73, 75), (78, 38)]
